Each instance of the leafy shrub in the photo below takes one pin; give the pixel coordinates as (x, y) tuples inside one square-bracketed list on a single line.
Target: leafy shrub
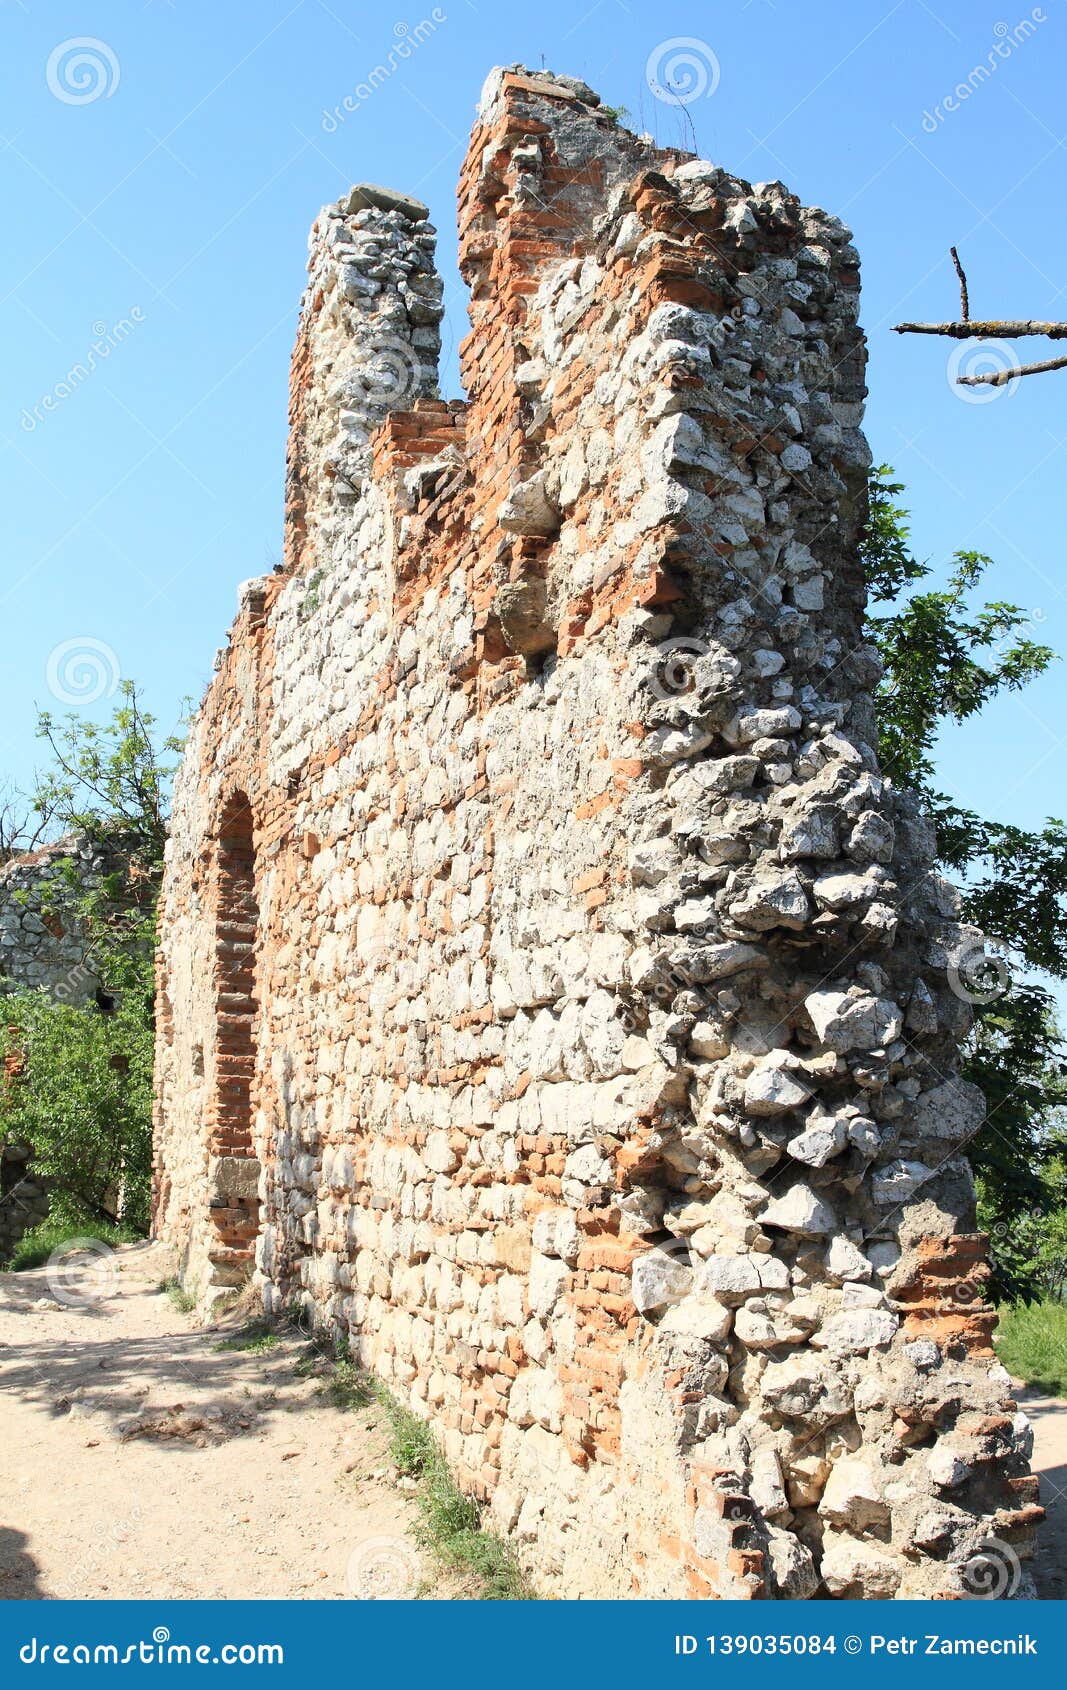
[(38, 1246), (83, 1099)]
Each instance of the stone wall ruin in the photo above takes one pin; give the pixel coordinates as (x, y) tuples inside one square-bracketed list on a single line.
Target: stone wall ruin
[(579, 1042)]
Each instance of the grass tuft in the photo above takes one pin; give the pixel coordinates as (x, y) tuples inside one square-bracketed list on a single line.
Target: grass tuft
[(36, 1247), (1032, 1344), (256, 1338), (450, 1526), (183, 1300)]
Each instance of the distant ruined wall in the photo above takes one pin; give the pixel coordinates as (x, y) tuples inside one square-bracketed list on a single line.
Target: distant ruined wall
[(552, 990)]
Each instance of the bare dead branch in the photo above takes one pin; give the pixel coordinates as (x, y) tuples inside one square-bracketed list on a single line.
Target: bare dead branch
[(1000, 378), (965, 303), (1008, 329)]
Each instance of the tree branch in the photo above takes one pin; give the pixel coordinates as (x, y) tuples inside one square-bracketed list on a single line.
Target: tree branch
[(1000, 378), (1007, 329), (965, 303)]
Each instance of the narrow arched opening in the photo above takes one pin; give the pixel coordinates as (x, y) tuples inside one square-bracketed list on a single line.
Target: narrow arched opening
[(233, 1165)]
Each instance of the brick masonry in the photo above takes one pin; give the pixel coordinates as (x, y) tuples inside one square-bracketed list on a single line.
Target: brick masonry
[(553, 992)]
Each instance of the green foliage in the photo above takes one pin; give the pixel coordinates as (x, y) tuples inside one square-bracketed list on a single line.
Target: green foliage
[(1032, 1344), (109, 776), (110, 781), (83, 1098), (311, 600), (450, 1522), (944, 661), (256, 1338), (38, 1246), (348, 1387), (181, 1299)]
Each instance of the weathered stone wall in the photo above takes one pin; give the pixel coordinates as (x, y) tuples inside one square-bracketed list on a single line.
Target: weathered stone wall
[(579, 1040), (40, 945)]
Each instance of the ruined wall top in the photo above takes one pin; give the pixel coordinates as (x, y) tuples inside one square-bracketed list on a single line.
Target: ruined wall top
[(600, 1072)]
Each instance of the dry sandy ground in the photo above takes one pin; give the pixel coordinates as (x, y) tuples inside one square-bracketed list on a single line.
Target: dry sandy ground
[(1049, 1417), (139, 1460)]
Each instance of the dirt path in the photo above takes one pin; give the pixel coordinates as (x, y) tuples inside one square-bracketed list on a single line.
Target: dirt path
[(1049, 1417), (139, 1460)]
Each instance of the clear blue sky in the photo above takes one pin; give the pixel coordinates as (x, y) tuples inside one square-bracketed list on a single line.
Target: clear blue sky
[(176, 203)]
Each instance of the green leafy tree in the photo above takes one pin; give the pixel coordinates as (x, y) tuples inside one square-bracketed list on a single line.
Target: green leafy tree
[(944, 661), (83, 1099), (81, 1090)]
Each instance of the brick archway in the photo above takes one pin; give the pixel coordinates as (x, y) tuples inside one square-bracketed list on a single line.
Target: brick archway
[(233, 1165)]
